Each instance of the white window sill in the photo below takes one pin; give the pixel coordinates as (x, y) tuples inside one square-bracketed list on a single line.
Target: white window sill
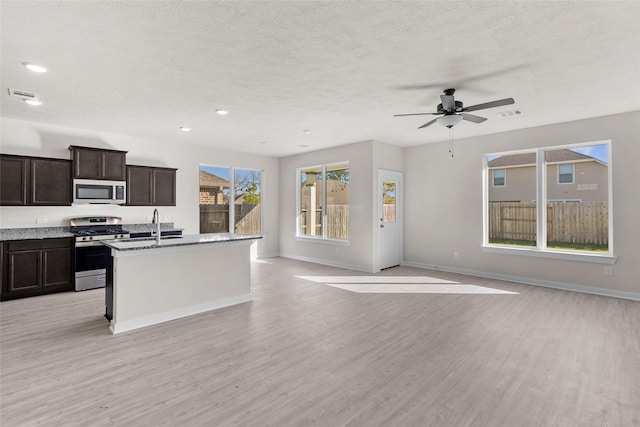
[(553, 254), (335, 242)]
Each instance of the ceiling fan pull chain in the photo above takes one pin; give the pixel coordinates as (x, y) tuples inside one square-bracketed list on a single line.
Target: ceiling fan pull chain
[(451, 141)]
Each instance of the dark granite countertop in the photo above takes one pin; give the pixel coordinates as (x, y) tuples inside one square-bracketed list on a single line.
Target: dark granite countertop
[(34, 233), (31, 233), (188, 240)]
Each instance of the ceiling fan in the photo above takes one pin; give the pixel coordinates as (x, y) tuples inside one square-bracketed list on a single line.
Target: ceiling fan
[(453, 112)]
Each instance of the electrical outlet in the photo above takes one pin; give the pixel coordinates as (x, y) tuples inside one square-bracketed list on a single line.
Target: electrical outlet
[(608, 270), (456, 254), (41, 220)]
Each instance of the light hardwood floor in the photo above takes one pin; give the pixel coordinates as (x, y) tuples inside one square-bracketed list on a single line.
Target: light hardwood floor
[(306, 354)]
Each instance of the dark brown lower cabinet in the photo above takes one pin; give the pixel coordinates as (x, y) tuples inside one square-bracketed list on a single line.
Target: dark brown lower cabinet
[(36, 267)]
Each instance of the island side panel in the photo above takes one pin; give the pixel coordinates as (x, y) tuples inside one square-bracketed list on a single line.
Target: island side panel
[(156, 285)]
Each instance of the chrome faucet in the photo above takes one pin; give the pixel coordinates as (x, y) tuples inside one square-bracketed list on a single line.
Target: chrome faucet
[(156, 221)]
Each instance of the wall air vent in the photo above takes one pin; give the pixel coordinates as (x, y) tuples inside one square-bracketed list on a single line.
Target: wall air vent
[(512, 113), (22, 94)]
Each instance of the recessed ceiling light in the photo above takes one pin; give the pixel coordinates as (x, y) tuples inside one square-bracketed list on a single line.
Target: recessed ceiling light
[(222, 112), (33, 101), (184, 129), (35, 67), (264, 142), (303, 146), (307, 131)]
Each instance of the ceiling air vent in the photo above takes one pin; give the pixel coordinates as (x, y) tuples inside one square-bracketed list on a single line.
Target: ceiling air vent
[(512, 113), (22, 94)]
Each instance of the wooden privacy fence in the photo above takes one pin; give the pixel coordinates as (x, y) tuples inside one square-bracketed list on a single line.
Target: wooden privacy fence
[(215, 219), (570, 222), (338, 220), (389, 213)]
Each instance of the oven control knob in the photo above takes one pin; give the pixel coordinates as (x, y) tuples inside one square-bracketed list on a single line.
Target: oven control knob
[(91, 238), (84, 238)]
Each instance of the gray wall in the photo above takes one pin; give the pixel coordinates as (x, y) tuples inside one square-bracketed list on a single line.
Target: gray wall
[(364, 158), (443, 216), (442, 203)]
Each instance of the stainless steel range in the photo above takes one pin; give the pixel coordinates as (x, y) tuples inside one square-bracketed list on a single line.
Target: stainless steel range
[(91, 255)]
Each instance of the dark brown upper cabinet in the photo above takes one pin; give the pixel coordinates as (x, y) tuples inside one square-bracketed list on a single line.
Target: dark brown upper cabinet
[(151, 186), (14, 176), (34, 181), (97, 163)]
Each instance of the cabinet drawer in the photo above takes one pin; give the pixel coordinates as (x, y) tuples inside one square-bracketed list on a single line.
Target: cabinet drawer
[(26, 245)]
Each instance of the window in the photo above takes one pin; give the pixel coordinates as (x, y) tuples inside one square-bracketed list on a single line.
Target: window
[(217, 214), (323, 201), (388, 201), (558, 200), (512, 210), (247, 206), (565, 174), (498, 177)]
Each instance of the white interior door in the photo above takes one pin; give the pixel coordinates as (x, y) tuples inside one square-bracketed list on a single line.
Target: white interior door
[(390, 218)]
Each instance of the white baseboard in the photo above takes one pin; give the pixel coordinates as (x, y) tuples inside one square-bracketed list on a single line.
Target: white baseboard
[(325, 262), (268, 255), (141, 322), (529, 281)]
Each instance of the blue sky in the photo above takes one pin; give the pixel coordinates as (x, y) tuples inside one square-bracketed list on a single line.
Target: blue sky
[(600, 152), (224, 173), (217, 171)]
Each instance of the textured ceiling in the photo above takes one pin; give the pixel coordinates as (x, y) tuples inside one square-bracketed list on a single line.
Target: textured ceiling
[(339, 69)]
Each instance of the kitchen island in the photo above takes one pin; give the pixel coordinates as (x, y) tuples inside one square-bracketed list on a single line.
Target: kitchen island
[(151, 282)]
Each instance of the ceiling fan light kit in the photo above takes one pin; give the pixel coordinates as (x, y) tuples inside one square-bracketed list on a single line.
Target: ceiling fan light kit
[(449, 120), (453, 112)]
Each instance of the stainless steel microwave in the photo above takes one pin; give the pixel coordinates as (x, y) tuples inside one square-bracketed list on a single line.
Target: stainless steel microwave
[(88, 191)]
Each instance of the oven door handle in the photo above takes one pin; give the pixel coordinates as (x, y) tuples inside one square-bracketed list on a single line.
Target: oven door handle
[(86, 244)]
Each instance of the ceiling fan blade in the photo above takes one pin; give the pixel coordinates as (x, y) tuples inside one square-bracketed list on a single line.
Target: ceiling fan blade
[(448, 103), (472, 118), (429, 123), (416, 114), (500, 102)]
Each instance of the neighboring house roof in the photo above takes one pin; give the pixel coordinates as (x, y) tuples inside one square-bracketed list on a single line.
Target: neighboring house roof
[(552, 156), (210, 180), (513, 160)]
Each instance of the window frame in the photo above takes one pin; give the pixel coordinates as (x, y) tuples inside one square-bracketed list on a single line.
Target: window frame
[(232, 194), (541, 249), (573, 173), (323, 238), (504, 177)]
